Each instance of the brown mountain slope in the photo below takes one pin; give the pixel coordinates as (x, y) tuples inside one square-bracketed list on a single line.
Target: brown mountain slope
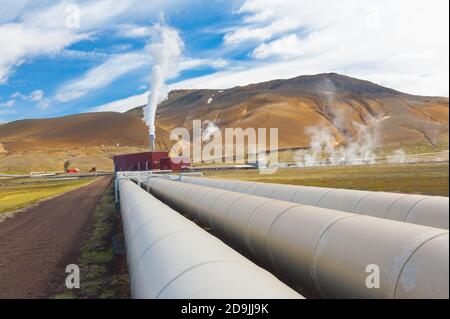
[(340, 103), (81, 130), (85, 140)]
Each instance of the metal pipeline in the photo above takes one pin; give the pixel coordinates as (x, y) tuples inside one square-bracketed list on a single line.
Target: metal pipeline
[(326, 251), (171, 257), (430, 211)]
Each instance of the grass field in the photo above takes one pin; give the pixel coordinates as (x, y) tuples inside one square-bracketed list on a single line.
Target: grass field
[(19, 193), (423, 178)]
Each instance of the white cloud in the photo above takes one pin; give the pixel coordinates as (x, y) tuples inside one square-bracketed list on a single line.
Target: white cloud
[(101, 76), (124, 104), (7, 111), (432, 84), (9, 103), (79, 55), (12, 10), (192, 63), (133, 31), (18, 95), (285, 47), (45, 103), (119, 65), (403, 44), (266, 19), (36, 96), (261, 33), (20, 42), (30, 28)]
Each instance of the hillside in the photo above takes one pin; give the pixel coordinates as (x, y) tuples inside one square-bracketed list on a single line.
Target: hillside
[(81, 130), (343, 106), (337, 102), (85, 140)]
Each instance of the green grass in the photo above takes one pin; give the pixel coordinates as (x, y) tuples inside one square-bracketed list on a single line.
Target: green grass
[(423, 178), (15, 173), (19, 193), (104, 274)]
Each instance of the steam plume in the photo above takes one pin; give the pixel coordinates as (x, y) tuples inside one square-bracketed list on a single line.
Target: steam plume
[(165, 49), (360, 139), (209, 130)]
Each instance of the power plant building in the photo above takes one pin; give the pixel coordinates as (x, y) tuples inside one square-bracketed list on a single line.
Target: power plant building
[(144, 161)]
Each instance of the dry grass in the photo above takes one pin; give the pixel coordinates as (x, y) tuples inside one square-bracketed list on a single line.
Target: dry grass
[(423, 178), (84, 158), (19, 193)]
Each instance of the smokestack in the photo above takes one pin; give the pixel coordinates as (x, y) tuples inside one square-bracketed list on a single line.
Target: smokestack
[(166, 49), (152, 143)]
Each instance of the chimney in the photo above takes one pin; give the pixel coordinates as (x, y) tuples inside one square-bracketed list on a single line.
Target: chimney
[(152, 143)]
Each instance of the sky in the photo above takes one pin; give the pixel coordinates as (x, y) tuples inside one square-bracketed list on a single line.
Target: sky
[(66, 57)]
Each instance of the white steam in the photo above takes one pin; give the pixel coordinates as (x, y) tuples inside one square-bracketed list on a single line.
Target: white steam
[(165, 49), (209, 129), (325, 150), (360, 138), (397, 157)]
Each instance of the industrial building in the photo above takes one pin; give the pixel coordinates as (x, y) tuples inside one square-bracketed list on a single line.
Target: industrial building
[(144, 161), (147, 161), (174, 163)]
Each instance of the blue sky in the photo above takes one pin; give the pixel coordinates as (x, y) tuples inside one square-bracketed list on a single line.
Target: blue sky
[(52, 67)]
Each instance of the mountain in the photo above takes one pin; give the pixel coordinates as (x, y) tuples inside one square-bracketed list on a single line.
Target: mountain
[(81, 130), (85, 140), (340, 103), (337, 103)]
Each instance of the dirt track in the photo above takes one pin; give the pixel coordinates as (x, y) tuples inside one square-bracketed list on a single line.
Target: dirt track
[(36, 245)]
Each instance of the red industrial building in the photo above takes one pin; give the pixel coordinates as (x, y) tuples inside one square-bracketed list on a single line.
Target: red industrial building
[(145, 161), (174, 163)]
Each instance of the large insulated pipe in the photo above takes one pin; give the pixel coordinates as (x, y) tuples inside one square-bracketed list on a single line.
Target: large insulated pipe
[(430, 211), (333, 253), (171, 257)]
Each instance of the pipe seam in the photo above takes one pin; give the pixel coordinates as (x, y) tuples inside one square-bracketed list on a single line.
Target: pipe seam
[(248, 186), (145, 224), (410, 256), (322, 196), (293, 195), (359, 202), (246, 236), (313, 270), (269, 233), (392, 205), (191, 268), (225, 227), (201, 199), (413, 206), (161, 238), (191, 193), (212, 205)]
